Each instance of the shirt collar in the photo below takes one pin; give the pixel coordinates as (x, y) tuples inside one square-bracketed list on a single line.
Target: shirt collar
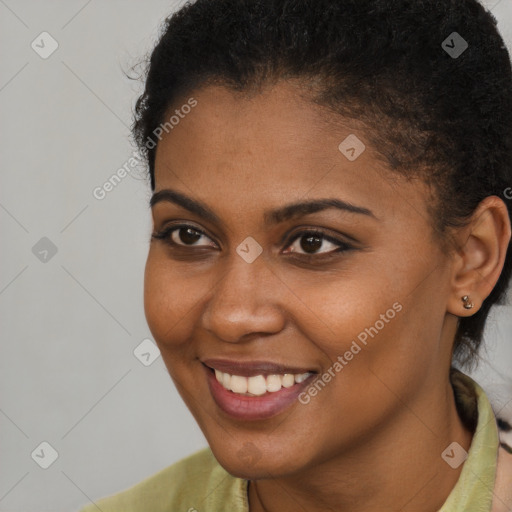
[(474, 488)]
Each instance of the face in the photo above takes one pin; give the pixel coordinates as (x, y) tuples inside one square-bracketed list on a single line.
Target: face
[(277, 254)]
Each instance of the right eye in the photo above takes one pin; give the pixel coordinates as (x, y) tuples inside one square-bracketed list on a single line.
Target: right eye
[(183, 236)]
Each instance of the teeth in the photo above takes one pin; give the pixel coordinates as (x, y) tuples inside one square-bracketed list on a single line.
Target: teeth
[(258, 385), (274, 383), (288, 380), (226, 380), (301, 378), (238, 384)]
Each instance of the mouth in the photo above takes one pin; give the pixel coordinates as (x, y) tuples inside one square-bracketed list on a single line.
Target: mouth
[(255, 390)]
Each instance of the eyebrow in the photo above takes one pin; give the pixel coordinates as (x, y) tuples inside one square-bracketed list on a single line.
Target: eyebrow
[(271, 217)]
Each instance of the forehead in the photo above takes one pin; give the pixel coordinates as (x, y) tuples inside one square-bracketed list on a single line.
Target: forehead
[(263, 148), (227, 122)]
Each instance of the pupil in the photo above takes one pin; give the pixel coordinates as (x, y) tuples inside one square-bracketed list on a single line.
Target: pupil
[(189, 236), (311, 243)]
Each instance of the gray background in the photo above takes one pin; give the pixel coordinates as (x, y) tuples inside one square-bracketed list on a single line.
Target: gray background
[(71, 321)]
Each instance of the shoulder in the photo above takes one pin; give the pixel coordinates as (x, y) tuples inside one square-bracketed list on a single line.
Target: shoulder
[(503, 485), (494, 432), (187, 485)]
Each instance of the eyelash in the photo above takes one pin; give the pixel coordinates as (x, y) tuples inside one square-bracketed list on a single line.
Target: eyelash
[(165, 236)]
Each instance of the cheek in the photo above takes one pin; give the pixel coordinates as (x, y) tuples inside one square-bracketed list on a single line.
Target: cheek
[(337, 308), (387, 316), (169, 299)]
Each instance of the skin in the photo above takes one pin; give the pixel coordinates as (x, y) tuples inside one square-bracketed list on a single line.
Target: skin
[(372, 438)]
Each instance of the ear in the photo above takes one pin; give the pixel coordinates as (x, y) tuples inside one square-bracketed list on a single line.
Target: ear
[(480, 256)]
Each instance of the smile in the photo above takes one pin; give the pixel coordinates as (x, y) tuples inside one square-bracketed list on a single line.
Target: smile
[(259, 384), (255, 390)]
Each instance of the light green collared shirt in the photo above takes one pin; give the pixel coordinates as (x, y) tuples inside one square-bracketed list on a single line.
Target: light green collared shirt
[(199, 484)]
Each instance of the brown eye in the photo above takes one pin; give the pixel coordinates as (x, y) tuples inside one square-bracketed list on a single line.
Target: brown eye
[(184, 236), (311, 243), (188, 236)]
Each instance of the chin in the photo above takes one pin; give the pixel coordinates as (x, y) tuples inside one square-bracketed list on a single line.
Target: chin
[(250, 463)]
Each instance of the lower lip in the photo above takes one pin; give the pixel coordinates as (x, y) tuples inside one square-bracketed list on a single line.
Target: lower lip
[(254, 408)]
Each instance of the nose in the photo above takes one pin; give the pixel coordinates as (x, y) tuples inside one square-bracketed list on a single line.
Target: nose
[(245, 302)]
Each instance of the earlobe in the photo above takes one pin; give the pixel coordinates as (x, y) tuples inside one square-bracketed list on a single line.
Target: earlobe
[(481, 257)]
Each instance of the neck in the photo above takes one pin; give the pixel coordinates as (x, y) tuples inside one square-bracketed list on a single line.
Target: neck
[(399, 468)]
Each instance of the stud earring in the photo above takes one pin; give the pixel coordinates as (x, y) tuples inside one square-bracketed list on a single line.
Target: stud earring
[(466, 303)]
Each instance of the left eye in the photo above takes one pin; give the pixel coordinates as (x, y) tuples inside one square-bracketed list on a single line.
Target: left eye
[(311, 242)]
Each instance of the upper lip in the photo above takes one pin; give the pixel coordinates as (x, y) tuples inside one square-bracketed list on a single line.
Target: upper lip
[(252, 368)]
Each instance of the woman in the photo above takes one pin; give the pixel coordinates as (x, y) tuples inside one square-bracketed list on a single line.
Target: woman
[(331, 229)]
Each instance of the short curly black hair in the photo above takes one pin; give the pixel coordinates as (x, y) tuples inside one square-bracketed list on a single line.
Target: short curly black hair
[(396, 66)]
